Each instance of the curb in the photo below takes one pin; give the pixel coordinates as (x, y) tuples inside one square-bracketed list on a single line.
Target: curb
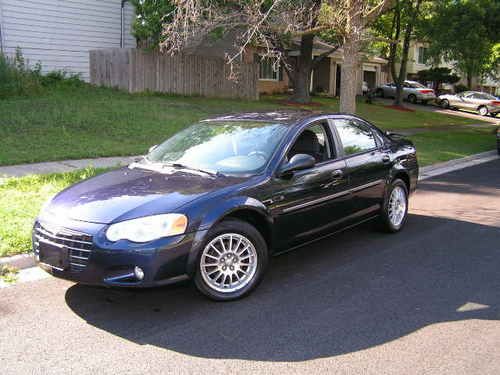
[(456, 164), (23, 261), (20, 261)]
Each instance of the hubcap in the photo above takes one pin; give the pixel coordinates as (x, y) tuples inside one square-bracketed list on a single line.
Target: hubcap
[(483, 111), (228, 262), (397, 206)]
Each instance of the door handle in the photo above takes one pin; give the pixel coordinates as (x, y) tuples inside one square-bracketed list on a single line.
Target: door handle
[(337, 174), (386, 158)]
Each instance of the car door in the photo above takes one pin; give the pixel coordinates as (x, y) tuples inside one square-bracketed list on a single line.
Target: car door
[(367, 162), (310, 201)]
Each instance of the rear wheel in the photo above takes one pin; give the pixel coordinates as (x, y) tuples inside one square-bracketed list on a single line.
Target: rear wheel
[(412, 98), (232, 261), (380, 93), (395, 208), (483, 111)]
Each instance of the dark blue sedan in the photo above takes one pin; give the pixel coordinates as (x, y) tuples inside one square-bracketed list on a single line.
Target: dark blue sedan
[(215, 200)]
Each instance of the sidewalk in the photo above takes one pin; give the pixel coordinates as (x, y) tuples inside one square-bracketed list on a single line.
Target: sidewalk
[(63, 166)]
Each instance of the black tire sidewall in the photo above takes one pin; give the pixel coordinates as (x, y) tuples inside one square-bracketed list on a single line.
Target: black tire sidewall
[(412, 98), (252, 234), (445, 104), (385, 221)]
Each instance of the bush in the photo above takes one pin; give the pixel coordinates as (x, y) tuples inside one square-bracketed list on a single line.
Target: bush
[(17, 78)]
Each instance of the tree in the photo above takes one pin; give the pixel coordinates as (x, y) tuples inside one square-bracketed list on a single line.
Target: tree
[(277, 26), (438, 76), (148, 23), (465, 33), (398, 27)]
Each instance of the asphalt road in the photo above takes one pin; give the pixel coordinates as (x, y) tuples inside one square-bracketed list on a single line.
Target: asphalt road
[(424, 301)]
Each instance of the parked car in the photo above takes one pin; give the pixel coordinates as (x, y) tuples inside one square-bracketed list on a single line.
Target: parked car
[(412, 91), (215, 200), (476, 101)]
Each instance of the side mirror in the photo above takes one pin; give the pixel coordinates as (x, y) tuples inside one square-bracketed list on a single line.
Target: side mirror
[(152, 148), (297, 162)]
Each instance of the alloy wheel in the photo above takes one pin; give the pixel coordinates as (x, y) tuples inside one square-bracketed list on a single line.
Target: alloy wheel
[(397, 206), (483, 111), (228, 262)]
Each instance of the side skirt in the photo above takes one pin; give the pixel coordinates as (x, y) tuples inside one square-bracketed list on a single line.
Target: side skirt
[(325, 235)]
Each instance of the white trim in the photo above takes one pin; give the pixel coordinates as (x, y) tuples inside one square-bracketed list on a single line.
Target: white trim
[(269, 79)]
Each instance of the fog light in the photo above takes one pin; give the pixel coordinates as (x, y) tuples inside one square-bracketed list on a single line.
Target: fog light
[(139, 273)]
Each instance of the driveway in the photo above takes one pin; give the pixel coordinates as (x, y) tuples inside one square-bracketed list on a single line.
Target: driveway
[(426, 300), (437, 109)]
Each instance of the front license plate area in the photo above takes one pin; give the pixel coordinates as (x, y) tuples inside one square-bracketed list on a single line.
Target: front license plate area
[(53, 255)]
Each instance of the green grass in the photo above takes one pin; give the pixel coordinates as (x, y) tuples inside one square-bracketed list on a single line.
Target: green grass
[(84, 122), (20, 202), (435, 147)]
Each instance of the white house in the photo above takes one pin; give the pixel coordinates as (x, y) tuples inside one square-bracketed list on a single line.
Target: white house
[(60, 33)]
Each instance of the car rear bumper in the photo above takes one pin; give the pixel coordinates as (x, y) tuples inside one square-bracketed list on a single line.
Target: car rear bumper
[(163, 262)]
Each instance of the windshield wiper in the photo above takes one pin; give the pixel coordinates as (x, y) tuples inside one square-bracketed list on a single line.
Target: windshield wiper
[(179, 165)]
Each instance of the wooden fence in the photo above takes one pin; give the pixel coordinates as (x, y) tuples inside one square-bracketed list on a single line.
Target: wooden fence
[(138, 70)]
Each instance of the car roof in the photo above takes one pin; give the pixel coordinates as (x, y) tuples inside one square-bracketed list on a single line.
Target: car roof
[(282, 116)]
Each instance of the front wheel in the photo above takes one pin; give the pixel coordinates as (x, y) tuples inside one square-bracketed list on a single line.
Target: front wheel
[(445, 104), (232, 261), (395, 209)]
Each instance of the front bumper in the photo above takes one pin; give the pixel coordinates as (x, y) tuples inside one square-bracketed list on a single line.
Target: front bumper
[(163, 261)]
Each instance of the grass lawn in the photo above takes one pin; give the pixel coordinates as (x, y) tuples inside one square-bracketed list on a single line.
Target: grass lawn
[(83, 122), (435, 147), (20, 202)]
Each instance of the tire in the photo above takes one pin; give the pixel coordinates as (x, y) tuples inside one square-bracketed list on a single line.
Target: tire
[(215, 281), (445, 104), (386, 221), (483, 111), (412, 98), (380, 93)]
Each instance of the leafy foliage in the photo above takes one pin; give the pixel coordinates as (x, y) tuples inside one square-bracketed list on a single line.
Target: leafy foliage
[(150, 17), (18, 78), (466, 33), (438, 76)]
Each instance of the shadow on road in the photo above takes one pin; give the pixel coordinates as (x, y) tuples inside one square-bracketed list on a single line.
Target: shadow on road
[(340, 295)]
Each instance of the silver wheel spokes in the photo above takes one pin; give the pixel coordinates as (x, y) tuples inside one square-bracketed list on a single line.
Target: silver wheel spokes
[(397, 206), (228, 262)]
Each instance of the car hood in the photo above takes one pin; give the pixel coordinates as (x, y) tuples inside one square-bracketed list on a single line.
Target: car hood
[(129, 193)]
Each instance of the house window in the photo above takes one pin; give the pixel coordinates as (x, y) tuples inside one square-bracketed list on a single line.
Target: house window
[(269, 70), (422, 55)]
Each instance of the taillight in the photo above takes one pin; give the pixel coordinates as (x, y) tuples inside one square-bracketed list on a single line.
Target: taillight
[(427, 91), (495, 102)]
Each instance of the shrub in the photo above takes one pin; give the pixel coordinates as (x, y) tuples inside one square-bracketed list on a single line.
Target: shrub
[(17, 78)]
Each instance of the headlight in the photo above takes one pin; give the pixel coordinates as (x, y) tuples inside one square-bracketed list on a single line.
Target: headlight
[(148, 228)]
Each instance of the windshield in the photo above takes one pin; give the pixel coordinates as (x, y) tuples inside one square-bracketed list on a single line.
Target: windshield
[(233, 147)]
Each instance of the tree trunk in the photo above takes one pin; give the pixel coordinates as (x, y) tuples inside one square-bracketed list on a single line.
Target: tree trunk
[(349, 81), (302, 71), (469, 81), (414, 11), (350, 66)]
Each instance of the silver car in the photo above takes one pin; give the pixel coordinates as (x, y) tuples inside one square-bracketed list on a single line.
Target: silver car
[(412, 91), (476, 101)]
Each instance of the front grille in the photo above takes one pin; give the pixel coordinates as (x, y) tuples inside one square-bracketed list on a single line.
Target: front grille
[(79, 244)]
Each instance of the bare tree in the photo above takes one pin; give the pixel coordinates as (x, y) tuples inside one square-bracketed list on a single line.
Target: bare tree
[(276, 26)]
